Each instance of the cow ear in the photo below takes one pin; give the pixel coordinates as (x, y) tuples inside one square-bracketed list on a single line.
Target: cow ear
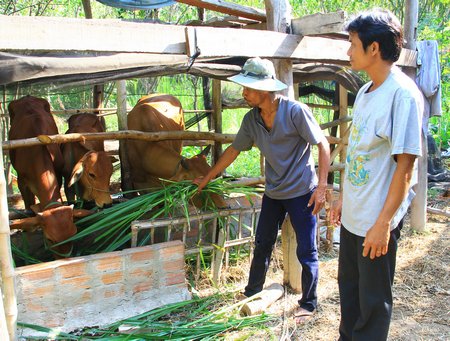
[(81, 213), (29, 224), (205, 151), (184, 163), (76, 173)]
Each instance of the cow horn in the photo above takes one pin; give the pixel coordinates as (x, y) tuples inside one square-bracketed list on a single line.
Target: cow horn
[(205, 151), (81, 213)]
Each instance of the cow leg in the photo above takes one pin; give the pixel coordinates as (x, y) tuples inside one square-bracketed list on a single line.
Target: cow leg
[(27, 196)]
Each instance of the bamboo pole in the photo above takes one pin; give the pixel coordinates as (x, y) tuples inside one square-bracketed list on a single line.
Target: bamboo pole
[(3, 325), (125, 172), (117, 135), (217, 116), (6, 261), (110, 111)]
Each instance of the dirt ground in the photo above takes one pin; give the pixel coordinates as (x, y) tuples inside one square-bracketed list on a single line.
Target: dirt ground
[(421, 291)]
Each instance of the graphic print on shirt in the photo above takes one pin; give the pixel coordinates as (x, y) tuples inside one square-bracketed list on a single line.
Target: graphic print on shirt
[(356, 173)]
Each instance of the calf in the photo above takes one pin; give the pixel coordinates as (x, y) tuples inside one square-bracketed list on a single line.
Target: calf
[(86, 164)]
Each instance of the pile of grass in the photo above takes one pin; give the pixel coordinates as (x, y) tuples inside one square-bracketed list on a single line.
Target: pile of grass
[(109, 229), (206, 318)]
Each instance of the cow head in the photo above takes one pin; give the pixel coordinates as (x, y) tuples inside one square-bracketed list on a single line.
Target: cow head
[(57, 225), (194, 167), (94, 171)]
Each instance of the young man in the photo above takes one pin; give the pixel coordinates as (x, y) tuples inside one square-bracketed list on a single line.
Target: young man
[(284, 131), (383, 145)]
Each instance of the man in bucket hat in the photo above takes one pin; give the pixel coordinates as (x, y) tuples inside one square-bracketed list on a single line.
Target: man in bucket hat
[(284, 131)]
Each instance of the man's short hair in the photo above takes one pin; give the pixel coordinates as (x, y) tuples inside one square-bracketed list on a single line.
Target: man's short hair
[(381, 26)]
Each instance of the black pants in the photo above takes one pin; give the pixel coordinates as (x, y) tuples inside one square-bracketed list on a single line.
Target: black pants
[(365, 289), (303, 221)]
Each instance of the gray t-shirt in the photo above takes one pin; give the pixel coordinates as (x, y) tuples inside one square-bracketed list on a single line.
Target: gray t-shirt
[(386, 122), (286, 147)]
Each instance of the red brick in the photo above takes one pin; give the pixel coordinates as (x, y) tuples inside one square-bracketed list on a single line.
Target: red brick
[(173, 265), (114, 292), (44, 290), (74, 269), (142, 255), (81, 282), (175, 278), (139, 272), (174, 249), (35, 305), (108, 263), (144, 286), (39, 275), (111, 278), (86, 297)]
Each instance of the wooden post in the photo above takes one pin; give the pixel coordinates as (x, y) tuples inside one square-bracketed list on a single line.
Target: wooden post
[(279, 19), (87, 9), (343, 110), (419, 203), (9, 304), (122, 125), (292, 268), (217, 116), (3, 325)]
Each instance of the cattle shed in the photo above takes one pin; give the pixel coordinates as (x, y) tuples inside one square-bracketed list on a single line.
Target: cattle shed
[(63, 52)]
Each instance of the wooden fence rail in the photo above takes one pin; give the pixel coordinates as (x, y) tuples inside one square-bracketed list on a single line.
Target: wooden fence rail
[(127, 134), (225, 238)]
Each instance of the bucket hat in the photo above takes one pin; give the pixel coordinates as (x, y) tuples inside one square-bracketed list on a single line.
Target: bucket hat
[(258, 74)]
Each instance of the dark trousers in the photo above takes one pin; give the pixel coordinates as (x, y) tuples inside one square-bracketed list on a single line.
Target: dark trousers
[(365, 289), (271, 217)]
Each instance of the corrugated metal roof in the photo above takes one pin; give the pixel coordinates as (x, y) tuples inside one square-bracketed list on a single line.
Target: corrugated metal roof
[(137, 4)]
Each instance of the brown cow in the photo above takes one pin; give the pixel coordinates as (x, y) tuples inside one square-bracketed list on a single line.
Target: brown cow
[(162, 159), (39, 170), (86, 163)]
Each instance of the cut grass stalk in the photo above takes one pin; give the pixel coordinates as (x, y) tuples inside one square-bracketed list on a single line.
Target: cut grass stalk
[(188, 320)]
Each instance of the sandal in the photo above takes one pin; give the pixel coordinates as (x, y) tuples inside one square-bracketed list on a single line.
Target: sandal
[(302, 315)]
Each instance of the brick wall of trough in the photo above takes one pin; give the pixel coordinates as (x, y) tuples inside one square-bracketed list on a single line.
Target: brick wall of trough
[(100, 289)]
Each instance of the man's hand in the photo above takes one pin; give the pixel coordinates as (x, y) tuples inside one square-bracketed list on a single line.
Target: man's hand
[(318, 198), (201, 182), (335, 212), (377, 240)]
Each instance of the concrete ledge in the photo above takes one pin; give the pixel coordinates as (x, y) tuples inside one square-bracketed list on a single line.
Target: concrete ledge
[(99, 289)]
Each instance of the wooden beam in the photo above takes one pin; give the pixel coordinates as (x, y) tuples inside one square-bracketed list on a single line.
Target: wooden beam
[(227, 8), (228, 42), (318, 23), (220, 42), (102, 35)]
